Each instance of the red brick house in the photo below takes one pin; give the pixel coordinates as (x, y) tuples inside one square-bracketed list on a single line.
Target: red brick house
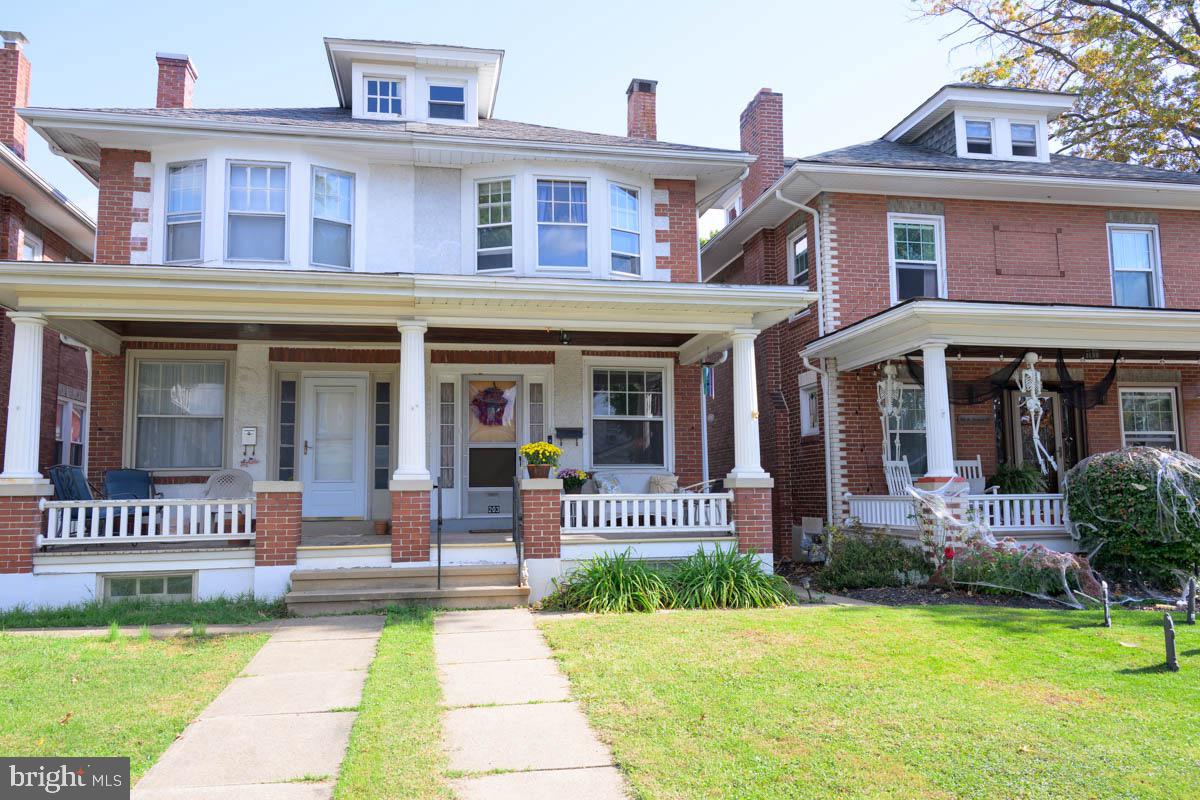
[(358, 313), (37, 223), (945, 256)]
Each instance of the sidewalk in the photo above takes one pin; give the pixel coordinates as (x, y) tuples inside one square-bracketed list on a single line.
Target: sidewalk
[(509, 709), (280, 730)]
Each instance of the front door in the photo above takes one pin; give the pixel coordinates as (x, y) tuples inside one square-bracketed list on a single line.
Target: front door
[(1057, 433), (333, 446), (493, 425)]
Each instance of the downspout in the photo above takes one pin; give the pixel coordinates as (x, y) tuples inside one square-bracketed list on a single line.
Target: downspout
[(704, 417), (826, 416)]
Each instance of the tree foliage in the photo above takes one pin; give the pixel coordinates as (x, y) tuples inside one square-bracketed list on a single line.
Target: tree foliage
[(1135, 65)]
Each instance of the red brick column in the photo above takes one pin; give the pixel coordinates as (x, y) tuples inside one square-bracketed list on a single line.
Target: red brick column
[(410, 520), (276, 522), (541, 507), (20, 523), (752, 518)]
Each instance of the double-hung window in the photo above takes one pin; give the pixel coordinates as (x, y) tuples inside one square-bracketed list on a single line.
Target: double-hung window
[(979, 136), (624, 212), (447, 102), (185, 212), (1148, 418), (1024, 139), (810, 406), (179, 414), (562, 223), (383, 97), (628, 424), (916, 255), (257, 212), (800, 265), (907, 437), (493, 225), (1133, 252), (69, 424), (31, 247), (333, 214)]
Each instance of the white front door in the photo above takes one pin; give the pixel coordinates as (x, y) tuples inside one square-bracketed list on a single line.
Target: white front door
[(333, 446)]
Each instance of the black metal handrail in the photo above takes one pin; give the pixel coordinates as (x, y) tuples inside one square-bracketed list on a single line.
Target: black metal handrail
[(518, 518), (437, 487)]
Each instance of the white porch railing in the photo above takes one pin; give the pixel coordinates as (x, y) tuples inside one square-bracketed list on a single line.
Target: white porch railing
[(647, 513), (72, 522), (1005, 514)]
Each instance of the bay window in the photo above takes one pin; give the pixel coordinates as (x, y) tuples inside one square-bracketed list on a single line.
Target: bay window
[(624, 215), (493, 225), (185, 212), (332, 222), (257, 217), (1133, 255), (628, 423), (179, 414), (916, 255), (562, 223), (1148, 418)]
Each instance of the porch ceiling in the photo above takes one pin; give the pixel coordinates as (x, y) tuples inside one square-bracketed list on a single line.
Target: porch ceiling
[(990, 329)]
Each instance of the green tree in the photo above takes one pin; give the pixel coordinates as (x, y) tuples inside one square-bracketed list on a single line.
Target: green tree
[(1135, 65)]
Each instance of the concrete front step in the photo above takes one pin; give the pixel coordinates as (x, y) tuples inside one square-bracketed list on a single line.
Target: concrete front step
[(307, 603), (403, 577)]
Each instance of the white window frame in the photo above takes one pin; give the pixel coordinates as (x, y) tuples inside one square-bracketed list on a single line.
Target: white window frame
[(587, 185), (810, 400), (666, 366), (612, 226), (287, 205), (403, 96), (1156, 283), (911, 387), (167, 213), (34, 241), (1037, 138), (69, 407), (1001, 123), (312, 207), (939, 224), (512, 208), (433, 82), (797, 235), (1170, 391), (991, 123), (134, 361)]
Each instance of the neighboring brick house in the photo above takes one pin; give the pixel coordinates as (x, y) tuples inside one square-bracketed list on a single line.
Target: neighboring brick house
[(37, 223), (958, 243), (351, 304)]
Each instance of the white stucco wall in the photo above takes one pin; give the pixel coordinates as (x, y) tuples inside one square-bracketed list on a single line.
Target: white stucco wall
[(390, 218), (436, 237), (251, 408)]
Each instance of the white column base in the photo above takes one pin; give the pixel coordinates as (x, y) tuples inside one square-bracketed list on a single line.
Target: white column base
[(749, 480), (542, 573), (271, 583)]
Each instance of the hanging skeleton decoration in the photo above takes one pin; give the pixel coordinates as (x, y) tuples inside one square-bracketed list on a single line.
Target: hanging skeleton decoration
[(1030, 384), (890, 398)]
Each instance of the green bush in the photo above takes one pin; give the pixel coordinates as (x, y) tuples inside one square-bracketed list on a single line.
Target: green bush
[(862, 559), (1139, 507), (1018, 479), (610, 583), (725, 578), (1008, 568)]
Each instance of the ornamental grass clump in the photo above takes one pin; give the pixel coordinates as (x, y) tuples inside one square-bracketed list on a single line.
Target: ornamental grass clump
[(610, 583), (724, 578)]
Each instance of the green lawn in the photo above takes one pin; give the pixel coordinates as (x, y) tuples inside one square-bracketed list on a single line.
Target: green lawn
[(395, 745), (93, 697), (221, 611), (942, 702)]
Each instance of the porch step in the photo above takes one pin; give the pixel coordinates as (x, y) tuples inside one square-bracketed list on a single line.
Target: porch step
[(328, 591)]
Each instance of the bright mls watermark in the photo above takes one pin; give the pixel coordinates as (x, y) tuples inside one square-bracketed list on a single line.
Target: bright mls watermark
[(82, 778)]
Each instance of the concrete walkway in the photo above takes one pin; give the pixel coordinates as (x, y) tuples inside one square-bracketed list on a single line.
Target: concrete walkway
[(508, 708), (279, 731)]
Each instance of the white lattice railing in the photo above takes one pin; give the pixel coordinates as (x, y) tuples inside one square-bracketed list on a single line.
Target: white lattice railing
[(71, 522), (1003, 513), (646, 513)]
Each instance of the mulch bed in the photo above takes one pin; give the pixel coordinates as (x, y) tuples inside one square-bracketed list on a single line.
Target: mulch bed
[(922, 596)]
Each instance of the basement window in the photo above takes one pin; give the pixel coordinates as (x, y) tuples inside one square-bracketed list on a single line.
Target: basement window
[(161, 588)]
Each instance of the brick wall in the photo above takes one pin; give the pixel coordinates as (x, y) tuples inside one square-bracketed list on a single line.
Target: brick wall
[(675, 229), (641, 121), (20, 521), (542, 531), (176, 81), (752, 518), (14, 93), (123, 203), (761, 129), (276, 528), (410, 526)]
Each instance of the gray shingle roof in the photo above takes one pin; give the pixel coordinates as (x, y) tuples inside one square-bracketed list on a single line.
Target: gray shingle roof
[(339, 119), (882, 153)]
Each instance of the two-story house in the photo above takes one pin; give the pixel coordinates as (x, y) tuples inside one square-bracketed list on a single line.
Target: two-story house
[(366, 309), (982, 302)]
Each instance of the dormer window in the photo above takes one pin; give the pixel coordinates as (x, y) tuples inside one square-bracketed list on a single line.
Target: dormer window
[(979, 136), (447, 102), (1024, 139), (384, 98)]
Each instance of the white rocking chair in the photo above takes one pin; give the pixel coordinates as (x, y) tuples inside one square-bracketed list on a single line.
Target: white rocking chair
[(971, 470), (899, 476)]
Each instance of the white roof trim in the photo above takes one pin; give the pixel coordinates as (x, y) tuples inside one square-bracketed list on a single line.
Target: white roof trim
[(45, 203), (948, 98)]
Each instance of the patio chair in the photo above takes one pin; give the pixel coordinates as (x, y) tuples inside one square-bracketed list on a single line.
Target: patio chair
[(129, 484), (72, 485), (971, 470), (229, 484), (899, 476)]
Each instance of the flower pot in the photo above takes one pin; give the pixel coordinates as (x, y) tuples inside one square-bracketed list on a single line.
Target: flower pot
[(576, 489), (538, 470)]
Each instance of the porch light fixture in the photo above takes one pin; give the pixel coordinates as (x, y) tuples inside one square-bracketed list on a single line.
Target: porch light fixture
[(564, 337), (889, 395)]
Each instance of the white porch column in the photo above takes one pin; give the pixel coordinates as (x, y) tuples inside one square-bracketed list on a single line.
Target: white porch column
[(24, 399), (939, 446), (747, 453), (410, 448)]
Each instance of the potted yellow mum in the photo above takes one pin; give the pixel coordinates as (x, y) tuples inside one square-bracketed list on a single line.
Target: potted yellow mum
[(540, 457)]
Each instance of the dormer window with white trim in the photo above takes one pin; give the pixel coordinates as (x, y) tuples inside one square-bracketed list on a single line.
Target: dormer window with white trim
[(447, 102), (979, 136), (383, 97), (1024, 139)]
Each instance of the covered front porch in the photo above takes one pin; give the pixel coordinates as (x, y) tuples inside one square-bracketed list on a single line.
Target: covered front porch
[(998, 401)]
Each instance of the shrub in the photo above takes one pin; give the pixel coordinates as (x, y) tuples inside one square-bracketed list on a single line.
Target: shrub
[(725, 578), (1009, 568), (861, 559), (610, 583), (1139, 507), (1018, 479)]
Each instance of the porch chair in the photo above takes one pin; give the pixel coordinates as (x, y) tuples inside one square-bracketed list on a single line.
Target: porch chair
[(229, 484), (971, 470), (899, 476), (129, 484), (71, 484)]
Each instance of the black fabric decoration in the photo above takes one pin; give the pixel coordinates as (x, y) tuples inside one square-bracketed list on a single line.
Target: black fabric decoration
[(969, 393), (1076, 394)]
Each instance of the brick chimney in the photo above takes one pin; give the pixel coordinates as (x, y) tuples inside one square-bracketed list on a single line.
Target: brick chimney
[(762, 136), (642, 117), (176, 81), (14, 91)]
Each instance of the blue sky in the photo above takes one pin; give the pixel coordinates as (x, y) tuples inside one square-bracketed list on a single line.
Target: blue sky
[(848, 70)]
